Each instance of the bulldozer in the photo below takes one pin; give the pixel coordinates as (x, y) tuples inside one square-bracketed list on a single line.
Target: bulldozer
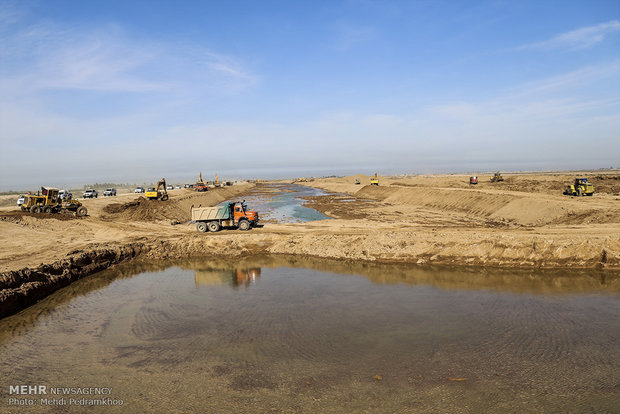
[(497, 177), (159, 192), (581, 187), (374, 180), (48, 201)]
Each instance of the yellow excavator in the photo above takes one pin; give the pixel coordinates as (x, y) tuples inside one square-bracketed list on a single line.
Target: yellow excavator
[(374, 180), (159, 192)]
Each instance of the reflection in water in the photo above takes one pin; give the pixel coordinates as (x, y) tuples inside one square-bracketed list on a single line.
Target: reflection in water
[(236, 277), (312, 334)]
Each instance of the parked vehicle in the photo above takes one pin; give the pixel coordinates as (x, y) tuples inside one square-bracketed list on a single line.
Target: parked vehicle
[(188, 186), (109, 192), (139, 190), (177, 187), (65, 195), (169, 187), (473, 180), (20, 200), (90, 193), (232, 214)]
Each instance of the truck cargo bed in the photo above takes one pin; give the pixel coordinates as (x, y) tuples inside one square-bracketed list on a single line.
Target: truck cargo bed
[(210, 213)]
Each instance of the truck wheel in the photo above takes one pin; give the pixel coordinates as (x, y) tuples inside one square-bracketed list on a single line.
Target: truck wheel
[(201, 227), (244, 225), (47, 209), (213, 226), (35, 209), (81, 211)]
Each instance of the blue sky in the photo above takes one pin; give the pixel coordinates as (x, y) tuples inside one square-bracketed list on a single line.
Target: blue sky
[(128, 91)]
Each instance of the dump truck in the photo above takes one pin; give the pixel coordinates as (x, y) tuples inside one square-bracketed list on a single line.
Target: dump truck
[(581, 187), (497, 177), (374, 180), (159, 192), (232, 214), (48, 201)]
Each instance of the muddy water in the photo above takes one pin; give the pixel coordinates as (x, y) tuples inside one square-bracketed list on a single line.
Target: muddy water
[(300, 335), (282, 203)]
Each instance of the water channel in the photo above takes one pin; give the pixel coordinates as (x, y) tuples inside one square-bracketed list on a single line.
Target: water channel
[(289, 334), (283, 203)]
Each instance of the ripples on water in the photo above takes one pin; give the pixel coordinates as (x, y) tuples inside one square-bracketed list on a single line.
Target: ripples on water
[(290, 334)]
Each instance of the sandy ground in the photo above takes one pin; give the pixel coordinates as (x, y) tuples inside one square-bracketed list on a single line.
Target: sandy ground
[(523, 221)]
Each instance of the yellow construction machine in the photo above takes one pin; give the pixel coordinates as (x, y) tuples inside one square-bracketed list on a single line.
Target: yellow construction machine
[(374, 180), (497, 177), (581, 187), (48, 201), (159, 192)]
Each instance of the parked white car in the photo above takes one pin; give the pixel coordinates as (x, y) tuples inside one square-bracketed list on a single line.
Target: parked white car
[(20, 200), (90, 193), (109, 192), (65, 195), (139, 190)]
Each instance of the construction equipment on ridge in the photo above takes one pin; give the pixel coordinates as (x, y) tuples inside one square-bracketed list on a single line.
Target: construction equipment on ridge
[(200, 185), (497, 177), (374, 180), (581, 187), (159, 192)]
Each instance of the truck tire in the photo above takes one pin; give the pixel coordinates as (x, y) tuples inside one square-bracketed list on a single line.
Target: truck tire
[(35, 209), (47, 209), (201, 227), (81, 211), (244, 225), (213, 226)]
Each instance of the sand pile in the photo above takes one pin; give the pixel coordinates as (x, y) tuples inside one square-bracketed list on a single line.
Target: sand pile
[(176, 209)]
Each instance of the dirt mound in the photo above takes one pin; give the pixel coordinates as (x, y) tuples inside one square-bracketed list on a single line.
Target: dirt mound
[(143, 209), (16, 216), (176, 209)]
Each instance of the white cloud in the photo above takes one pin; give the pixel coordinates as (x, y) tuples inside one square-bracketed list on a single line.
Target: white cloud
[(50, 57), (581, 38)]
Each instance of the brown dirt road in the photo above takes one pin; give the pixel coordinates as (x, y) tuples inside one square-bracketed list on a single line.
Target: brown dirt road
[(522, 222)]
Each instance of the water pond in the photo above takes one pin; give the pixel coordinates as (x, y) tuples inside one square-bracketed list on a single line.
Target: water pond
[(286, 334)]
